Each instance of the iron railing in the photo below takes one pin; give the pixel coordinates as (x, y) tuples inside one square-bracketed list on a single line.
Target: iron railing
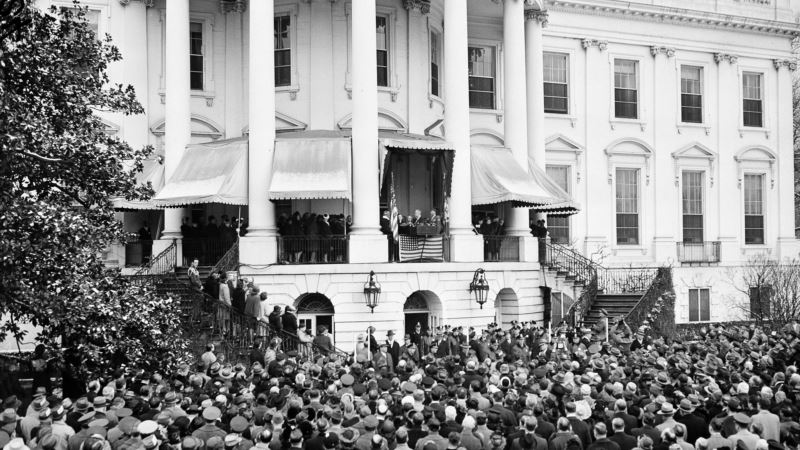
[(565, 259), (625, 280), (312, 250), (159, 266), (578, 310), (230, 260), (647, 309), (138, 252), (500, 248), (207, 251), (698, 252)]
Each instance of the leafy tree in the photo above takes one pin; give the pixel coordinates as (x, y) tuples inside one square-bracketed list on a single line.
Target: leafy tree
[(58, 171)]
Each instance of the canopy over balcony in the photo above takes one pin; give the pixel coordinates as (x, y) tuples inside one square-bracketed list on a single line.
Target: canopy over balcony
[(498, 178), (212, 172), (311, 165), (153, 173), (564, 204)]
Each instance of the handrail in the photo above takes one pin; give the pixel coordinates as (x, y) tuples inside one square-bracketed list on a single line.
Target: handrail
[(648, 309), (160, 265), (230, 260), (567, 259)]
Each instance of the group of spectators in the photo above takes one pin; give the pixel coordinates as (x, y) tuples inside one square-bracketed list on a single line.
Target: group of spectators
[(208, 241), (312, 238), (518, 388)]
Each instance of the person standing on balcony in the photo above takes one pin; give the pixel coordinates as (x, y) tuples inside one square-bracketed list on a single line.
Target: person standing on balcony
[(224, 291), (146, 238), (325, 235), (323, 340), (252, 303), (289, 320), (194, 275), (275, 319)]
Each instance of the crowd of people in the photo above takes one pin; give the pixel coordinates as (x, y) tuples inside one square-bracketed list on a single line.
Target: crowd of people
[(312, 237), (518, 388), (208, 241)]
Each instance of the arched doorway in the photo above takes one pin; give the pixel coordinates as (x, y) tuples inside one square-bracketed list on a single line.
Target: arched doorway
[(423, 307), (505, 305), (314, 309)]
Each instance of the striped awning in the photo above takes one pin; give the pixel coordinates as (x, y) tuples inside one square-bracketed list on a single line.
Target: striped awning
[(498, 178), (564, 204), (212, 172), (153, 173), (311, 167)]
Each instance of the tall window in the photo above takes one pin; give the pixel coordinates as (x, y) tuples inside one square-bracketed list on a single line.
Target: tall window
[(558, 226), (626, 90), (481, 77), (699, 305), (752, 100), (692, 205), (382, 41), (760, 302), (627, 206), (691, 94), (196, 56), (754, 209), (92, 17), (283, 51), (556, 84), (436, 60)]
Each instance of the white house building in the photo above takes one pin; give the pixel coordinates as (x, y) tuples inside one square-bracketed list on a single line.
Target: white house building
[(668, 124)]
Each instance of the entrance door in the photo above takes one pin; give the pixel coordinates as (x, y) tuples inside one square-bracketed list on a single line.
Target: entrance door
[(412, 318)]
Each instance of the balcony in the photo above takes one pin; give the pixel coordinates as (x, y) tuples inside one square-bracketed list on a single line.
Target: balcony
[(698, 252), (312, 250), (501, 248)]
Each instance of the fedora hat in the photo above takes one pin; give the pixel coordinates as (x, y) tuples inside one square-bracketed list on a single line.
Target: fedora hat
[(667, 409)]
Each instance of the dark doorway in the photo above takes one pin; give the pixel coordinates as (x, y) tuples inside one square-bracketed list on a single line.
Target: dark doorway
[(416, 317)]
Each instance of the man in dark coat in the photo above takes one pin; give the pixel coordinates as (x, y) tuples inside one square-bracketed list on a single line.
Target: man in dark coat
[(601, 441), (696, 426), (393, 346), (290, 320), (621, 411), (275, 319), (625, 441)]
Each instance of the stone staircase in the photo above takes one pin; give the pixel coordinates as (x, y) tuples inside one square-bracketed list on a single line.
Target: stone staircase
[(615, 304)]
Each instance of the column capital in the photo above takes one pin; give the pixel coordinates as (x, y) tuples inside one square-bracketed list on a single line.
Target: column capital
[(601, 45), (719, 57), (788, 63), (423, 6), (541, 16), (148, 3), (668, 51), (228, 6)]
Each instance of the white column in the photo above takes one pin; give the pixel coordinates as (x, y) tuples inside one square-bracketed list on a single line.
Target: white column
[(134, 127), (366, 242), (788, 246), (234, 99), (177, 128), (515, 107), (465, 245), (730, 212), (259, 246), (667, 213)]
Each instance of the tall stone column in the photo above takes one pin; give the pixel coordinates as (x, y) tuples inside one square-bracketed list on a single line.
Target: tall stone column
[(665, 235), (366, 242), (260, 245), (177, 127), (464, 244), (788, 246), (730, 212), (134, 127)]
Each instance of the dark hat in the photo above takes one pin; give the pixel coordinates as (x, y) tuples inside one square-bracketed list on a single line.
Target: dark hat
[(742, 419), (348, 436)]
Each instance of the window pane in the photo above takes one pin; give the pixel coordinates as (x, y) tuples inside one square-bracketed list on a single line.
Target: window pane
[(283, 52), (481, 61), (627, 206), (691, 94), (752, 99), (692, 192), (381, 36), (694, 307), (196, 56), (625, 92), (481, 77), (705, 305), (558, 226), (435, 61), (753, 194)]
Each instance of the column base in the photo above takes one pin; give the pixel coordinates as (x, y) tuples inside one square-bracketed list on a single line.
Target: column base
[(258, 250), (664, 249), (466, 248), (528, 249), (368, 248)]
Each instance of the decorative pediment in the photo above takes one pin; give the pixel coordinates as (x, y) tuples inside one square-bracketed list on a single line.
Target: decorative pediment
[(201, 127), (486, 137), (282, 123), (756, 157), (560, 143), (629, 147), (387, 121), (693, 152)]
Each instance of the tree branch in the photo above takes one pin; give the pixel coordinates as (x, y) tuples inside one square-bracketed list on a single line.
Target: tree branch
[(40, 157)]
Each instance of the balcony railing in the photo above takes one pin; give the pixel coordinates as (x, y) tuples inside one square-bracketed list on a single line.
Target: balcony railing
[(432, 248), (698, 252), (312, 250), (138, 253), (501, 248), (208, 251), (626, 279)]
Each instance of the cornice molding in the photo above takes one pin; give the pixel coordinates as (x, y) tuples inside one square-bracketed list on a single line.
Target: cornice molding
[(538, 15), (423, 6), (668, 51), (788, 63), (147, 3), (719, 57), (601, 45), (661, 14)]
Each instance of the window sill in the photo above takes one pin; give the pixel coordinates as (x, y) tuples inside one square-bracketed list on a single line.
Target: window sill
[(687, 125), (208, 95), (615, 122), (292, 90), (628, 249), (434, 99), (572, 119), (391, 90), (495, 112), (745, 130), (756, 248)]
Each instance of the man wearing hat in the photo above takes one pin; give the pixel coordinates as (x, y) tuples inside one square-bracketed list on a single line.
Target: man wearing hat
[(31, 420), (59, 427), (382, 358), (210, 415), (348, 438), (289, 320), (743, 433), (667, 413), (696, 426), (393, 347), (433, 436)]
